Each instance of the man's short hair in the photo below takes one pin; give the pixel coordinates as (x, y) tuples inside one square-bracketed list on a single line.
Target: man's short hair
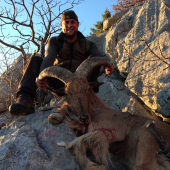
[(69, 15)]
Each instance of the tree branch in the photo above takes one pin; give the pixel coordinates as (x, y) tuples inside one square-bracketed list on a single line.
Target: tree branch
[(155, 54), (9, 45), (131, 55)]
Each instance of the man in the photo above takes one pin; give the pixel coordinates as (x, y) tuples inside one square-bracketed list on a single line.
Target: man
[(70, 56)]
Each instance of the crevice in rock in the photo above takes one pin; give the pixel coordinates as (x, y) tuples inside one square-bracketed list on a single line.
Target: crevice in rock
[(117, 76), (41, 139)]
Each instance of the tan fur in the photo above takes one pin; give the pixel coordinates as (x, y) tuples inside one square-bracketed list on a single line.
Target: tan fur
[(123, 134), (94, 141)]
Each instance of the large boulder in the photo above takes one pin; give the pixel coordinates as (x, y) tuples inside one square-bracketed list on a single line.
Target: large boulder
[(118, 32), (30, 142), (146, 75), (116, 17), (99, 40), (120, 98), (113, 19)]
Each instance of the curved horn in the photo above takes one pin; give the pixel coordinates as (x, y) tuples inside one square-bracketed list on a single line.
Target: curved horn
[(60, 73), (89, 64)]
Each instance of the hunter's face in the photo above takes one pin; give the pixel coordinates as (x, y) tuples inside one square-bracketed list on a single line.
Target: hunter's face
[(70, 27)]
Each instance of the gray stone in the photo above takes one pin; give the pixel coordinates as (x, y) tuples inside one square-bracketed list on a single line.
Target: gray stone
[(148, 79), (120, 98), (99, 40), (113, 19), (119, 31), (116, 17), (30, 142), (145, 74)]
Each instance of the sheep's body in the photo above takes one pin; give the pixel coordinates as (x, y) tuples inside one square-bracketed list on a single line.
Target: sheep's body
[(105, 130), (122, 134)]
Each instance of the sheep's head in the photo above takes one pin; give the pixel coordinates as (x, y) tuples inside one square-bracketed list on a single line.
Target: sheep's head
[(77, 92), (77, 88)]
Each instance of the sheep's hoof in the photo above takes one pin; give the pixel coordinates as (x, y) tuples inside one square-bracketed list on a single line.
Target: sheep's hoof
[(55, 118)]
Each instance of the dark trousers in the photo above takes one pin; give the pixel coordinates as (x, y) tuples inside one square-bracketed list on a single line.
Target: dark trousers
[(31, 72)]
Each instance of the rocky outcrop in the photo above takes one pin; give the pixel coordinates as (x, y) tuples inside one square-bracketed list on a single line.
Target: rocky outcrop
[(145, 75), (99, 40), (113, 20), (30, 142), (120, 98), (116, 17)]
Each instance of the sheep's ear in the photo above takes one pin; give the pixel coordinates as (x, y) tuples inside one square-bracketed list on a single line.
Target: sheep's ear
[(95, 84)]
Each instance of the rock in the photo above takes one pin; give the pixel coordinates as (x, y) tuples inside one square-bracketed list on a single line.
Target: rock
[(119, 31), (148, 79), (99, 40), (116, 17), (145, 74), (30, 142), (120, 98), (113, 19)]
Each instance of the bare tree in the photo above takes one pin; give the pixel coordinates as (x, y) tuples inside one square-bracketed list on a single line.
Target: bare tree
[(32, 23), (25, 28)]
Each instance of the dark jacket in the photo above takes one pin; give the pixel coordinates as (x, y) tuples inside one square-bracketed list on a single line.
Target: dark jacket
[(71, 55)]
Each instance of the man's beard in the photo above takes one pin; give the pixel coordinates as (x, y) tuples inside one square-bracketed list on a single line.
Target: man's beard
[(70, 36)]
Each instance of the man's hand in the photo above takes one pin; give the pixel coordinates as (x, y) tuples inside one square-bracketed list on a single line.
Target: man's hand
[(109, 69), (41, 84)]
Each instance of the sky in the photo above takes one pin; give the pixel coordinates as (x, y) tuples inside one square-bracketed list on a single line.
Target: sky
[(90, 11)]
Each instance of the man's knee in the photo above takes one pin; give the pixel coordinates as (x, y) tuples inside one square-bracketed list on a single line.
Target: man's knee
[(36, 59), (34, 62)]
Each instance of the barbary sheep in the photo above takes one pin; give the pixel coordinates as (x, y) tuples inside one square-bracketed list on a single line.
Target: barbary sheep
[(141, 143)]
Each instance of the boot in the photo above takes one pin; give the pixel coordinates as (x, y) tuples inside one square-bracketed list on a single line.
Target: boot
[(24, 105)]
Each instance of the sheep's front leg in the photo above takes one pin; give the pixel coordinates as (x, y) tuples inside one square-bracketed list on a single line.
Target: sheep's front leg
[(55, 117), (97, 143)]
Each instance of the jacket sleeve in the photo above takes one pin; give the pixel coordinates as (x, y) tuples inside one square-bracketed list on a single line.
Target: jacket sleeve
[(94, 51), (50, 54)]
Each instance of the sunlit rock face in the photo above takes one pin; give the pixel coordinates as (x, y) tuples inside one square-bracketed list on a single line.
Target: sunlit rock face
[(30, 142), (145, 75)]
